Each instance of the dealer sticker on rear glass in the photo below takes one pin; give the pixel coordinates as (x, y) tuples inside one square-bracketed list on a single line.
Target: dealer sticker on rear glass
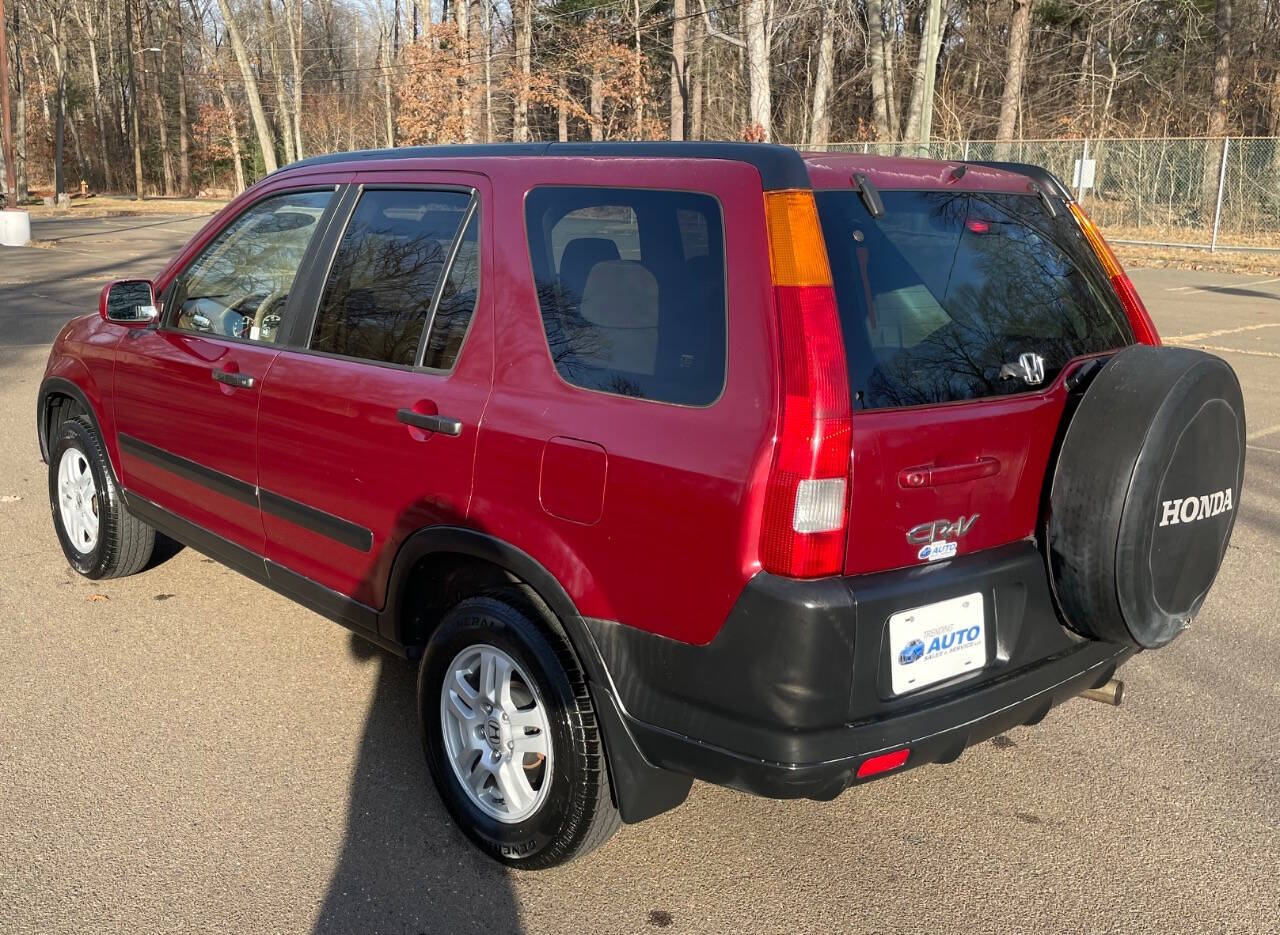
[(937, 642)]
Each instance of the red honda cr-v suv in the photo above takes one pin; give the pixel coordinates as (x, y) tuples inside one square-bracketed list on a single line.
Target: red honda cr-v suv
[(779, 470)]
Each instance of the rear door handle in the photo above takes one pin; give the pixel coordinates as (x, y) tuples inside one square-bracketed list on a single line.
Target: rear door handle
[(234, 378), (928, 475), (429, 422)]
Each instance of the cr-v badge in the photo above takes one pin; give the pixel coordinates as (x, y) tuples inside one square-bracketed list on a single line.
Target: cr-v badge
[(937, 539)]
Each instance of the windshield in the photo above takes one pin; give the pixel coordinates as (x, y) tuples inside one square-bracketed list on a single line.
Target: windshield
[(941, 296)]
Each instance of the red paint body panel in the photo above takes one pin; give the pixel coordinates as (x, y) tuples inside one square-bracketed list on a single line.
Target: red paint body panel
[(678, 535), (572, 480), (328, 438), (166, 396)]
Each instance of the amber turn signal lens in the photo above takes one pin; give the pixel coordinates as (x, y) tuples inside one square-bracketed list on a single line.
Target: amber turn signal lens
[(797, 252)]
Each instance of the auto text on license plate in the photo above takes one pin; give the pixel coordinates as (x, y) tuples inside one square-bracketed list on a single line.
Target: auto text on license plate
[(936, 642)]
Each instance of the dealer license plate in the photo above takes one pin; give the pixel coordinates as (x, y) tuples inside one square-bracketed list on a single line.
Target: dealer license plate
[(936, 642)]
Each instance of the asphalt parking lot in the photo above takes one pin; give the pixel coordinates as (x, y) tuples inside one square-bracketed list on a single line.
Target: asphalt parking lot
[(187, 751)]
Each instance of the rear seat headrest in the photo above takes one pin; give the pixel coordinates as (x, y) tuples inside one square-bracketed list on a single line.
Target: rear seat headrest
[(620, 294)]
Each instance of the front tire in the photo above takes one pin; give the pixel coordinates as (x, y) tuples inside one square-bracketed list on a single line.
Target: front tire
[(511, 736), (98, 534)]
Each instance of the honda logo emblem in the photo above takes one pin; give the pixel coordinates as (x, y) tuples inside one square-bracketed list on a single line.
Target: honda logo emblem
[(1029, 368)]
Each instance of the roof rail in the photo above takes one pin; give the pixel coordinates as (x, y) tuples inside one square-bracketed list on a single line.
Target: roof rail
[(779, 166)]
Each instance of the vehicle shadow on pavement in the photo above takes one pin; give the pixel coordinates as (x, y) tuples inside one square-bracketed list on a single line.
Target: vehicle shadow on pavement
[(404, 868)]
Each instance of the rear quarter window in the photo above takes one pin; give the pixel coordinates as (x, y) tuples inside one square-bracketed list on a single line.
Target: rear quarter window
[(631, 286), (941, 295)]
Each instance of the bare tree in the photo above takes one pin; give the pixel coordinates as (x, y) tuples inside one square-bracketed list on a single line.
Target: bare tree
[(1011, 99), (260, 125)]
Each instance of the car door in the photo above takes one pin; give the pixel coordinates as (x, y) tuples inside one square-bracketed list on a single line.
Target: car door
[(186, 392), (368, 421)]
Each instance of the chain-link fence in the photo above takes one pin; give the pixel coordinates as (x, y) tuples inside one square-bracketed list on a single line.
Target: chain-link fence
[(1162, 191)]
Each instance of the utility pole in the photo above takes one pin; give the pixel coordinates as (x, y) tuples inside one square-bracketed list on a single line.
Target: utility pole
[(6, 129)]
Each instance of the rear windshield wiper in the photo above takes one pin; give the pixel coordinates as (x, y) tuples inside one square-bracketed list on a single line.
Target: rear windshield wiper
[(1050, 208), (870, 194)]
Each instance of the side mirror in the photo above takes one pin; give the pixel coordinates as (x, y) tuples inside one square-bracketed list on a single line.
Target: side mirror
[(129, 301)]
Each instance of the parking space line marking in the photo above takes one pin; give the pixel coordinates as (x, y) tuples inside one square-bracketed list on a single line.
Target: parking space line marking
[(1223, 285), (1221, 331), (1254, 436), (1274, 451), (1231, 350)]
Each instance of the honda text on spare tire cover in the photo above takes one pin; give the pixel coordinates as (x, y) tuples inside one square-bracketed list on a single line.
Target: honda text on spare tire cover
[(663, 461)]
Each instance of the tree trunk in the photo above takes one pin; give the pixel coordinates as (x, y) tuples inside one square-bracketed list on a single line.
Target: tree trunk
[(260, 125), (562, 109), (1011, 100), (638, 80), (462, 10), (60, 109), (489, 129), (760, 103), (597, 103), (524, 58), (282, 105), (679, 77), (876, 56), (920, 110), (820, 117), (293, 21), (234, 132), (184, 137), (135, 128), (695, 92), (1217, 107), (162, 122)]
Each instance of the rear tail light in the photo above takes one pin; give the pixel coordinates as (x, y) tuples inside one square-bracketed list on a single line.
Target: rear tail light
[(874, 766), (1143, 328), (806, 496)]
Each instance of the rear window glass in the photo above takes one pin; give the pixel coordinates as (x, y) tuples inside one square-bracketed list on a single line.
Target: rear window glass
[(632, 290), (384, 276), (941, 296)]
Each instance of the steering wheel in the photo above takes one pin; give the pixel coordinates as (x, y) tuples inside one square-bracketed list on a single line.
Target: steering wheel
[(265, 309)]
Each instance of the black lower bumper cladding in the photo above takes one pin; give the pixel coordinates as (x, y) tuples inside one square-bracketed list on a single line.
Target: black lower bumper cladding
[(793, 694)]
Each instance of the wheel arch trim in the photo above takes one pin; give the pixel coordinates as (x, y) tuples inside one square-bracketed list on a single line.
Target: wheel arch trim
[(640, 789), (60, 385)]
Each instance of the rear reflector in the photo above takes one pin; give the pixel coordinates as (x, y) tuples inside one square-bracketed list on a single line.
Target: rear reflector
[(1143, 327), (883, 762), (806, 496)]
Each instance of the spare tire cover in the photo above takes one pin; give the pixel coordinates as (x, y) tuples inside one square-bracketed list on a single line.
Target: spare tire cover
[(1144, 494)]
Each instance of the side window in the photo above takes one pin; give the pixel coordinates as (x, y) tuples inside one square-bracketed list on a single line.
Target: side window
[(384, 277), (239, 285), (457, 300), (631, 286)]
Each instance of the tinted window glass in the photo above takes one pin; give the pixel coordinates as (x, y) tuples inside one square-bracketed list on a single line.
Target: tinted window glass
[(239, 285), (385, 273), (941, 295), (631, 286), (457, 301)]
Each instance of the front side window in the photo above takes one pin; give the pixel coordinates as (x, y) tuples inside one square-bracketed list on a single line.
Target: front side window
[(238, 287), (383, 282), (631, 286)]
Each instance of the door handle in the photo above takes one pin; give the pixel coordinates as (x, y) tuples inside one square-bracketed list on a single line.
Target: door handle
[(928, 475), (233, 378), (429, 422)]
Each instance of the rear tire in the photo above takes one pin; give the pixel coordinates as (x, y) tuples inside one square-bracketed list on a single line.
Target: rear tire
[(560, 807), (98, 534)]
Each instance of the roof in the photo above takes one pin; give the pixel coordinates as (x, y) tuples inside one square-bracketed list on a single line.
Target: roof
[(779, 166)]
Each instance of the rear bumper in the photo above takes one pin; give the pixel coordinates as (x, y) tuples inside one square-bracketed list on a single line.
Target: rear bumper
[(793, 694)]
